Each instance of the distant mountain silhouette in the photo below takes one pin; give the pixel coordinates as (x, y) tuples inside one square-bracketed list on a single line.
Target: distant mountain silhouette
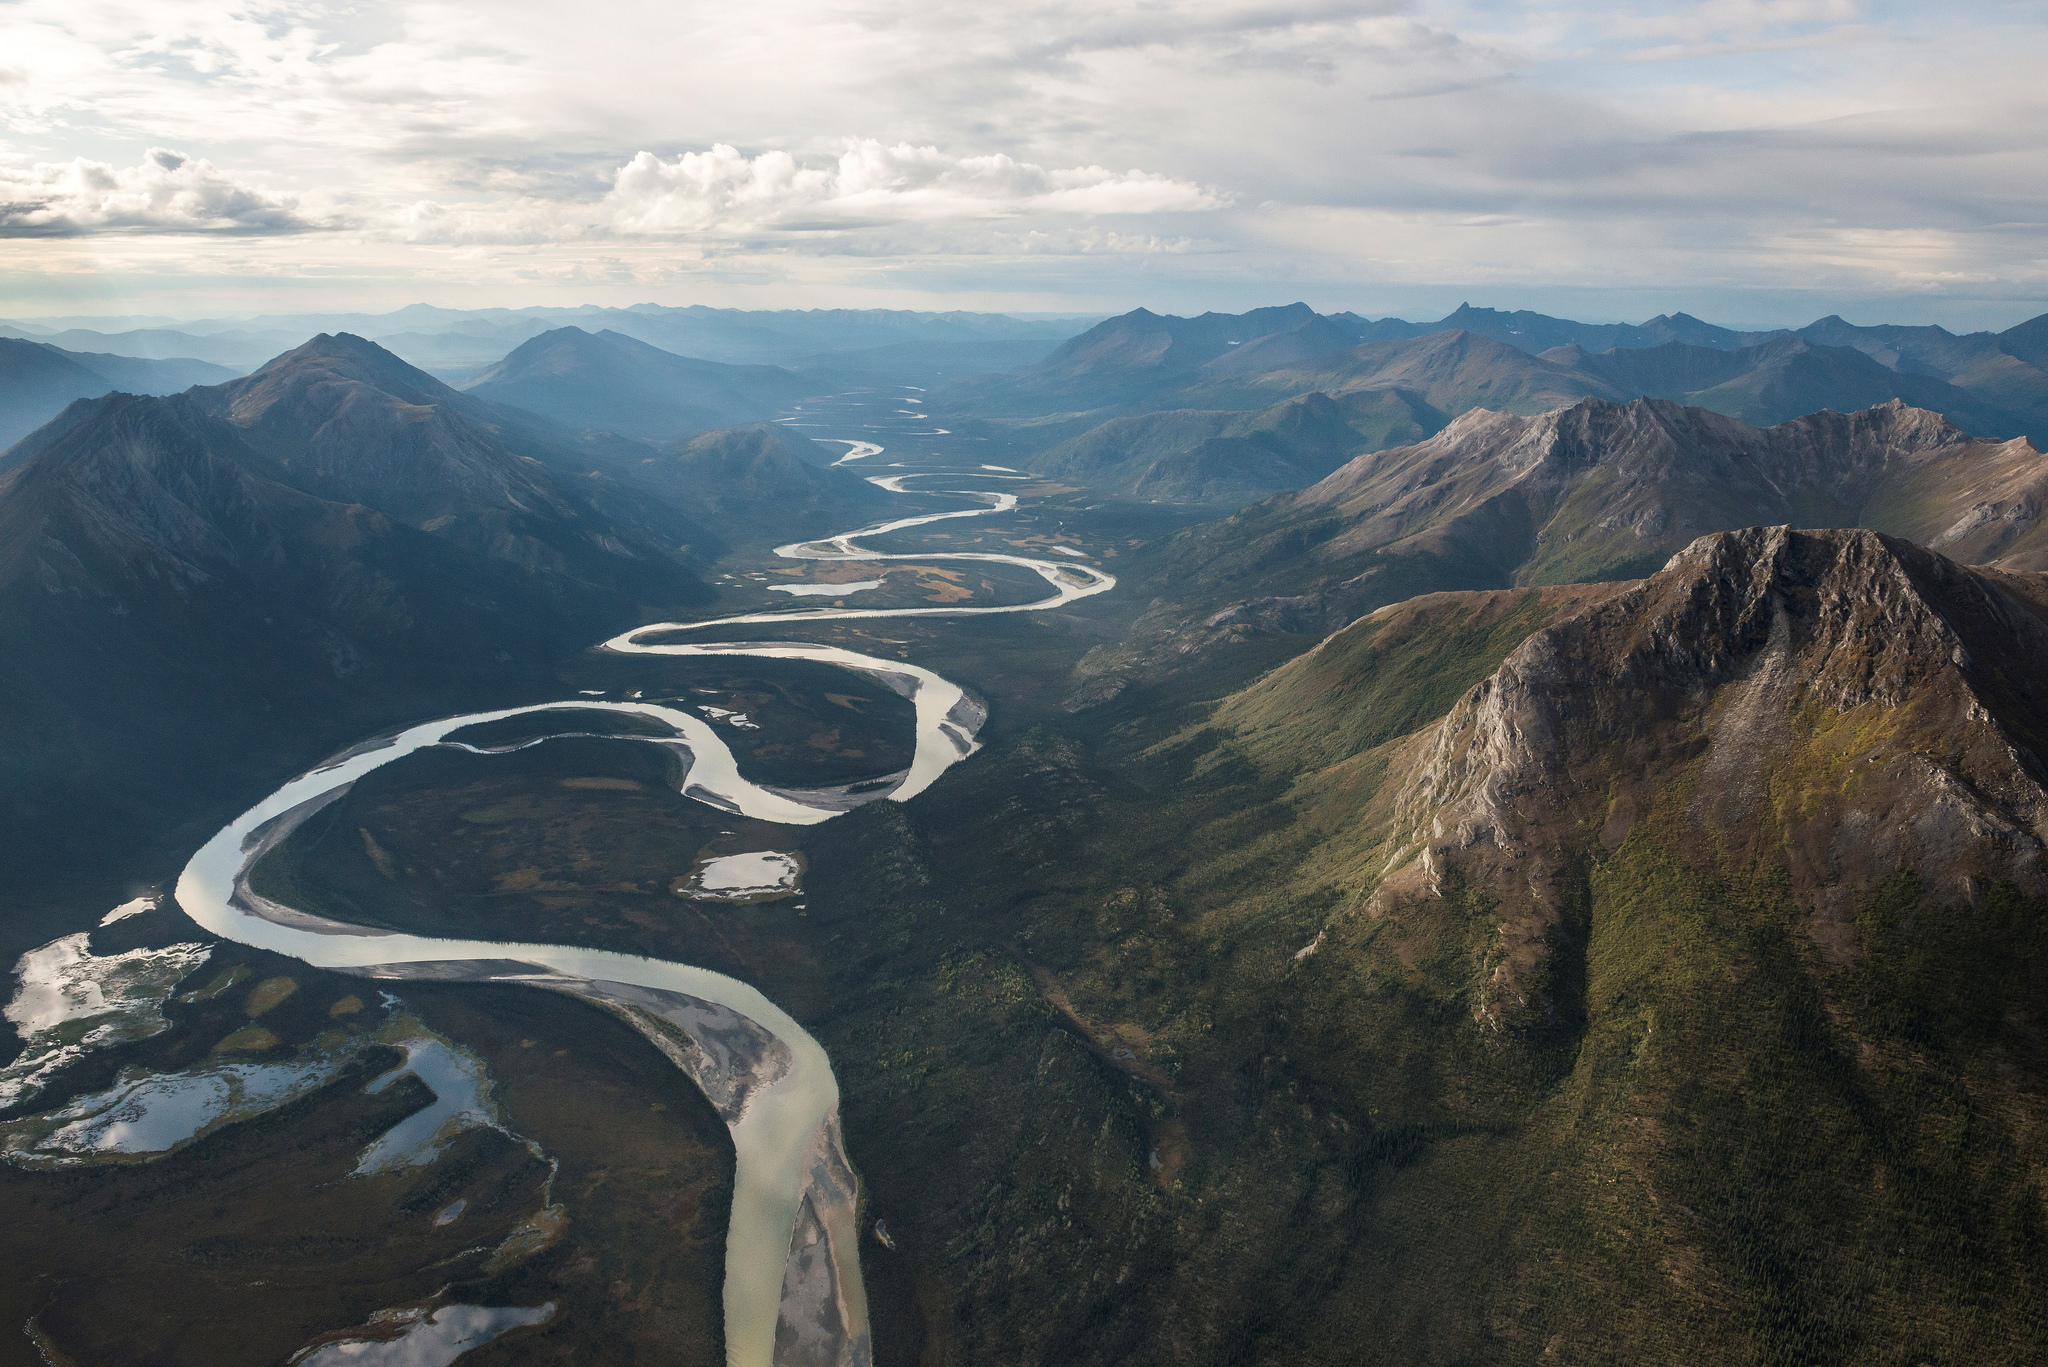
[(37, 381), (1138, 356), (1519, 362), (611, 382), (1779, 380), (1450, 371)]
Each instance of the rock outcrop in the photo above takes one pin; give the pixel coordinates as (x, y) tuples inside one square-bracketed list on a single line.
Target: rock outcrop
[(1849, 703)]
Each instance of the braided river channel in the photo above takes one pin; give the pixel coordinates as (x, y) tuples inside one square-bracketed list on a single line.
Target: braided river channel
[(793, 1292)]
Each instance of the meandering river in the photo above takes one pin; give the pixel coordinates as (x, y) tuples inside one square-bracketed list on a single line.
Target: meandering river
[(793, 1292)]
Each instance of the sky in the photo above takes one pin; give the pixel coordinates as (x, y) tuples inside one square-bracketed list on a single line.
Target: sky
[(1750, 161)]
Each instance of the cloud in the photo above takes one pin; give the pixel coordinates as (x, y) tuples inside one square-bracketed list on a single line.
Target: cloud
[(511, 221), (166, 192), (1363, 143), (725, 191)]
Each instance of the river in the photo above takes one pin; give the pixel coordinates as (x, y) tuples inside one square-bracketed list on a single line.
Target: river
[(793, 1295)]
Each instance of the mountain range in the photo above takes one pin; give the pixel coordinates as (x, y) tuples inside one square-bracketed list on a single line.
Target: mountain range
[(1991, 384), (1642, 972), (1594, 491), (766, 479), (459, 343)]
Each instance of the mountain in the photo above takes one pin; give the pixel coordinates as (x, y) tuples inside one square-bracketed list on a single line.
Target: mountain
[(1430, 379), (457, 344), (1229, 458), (1649, 972), (1779, 380), (1595, 491), (155, 512), (38, 380), (235, 349), (763, 483), (1737, 635), (1518, 361), (2027, 341), (1450, 371), (193, 585), (2005, 370), (1144, 362), (346, 420), (1683, 327), (1127, 359), (1311, 338), (1363, 329), (1539, 332), (611, 382), (181, 619)]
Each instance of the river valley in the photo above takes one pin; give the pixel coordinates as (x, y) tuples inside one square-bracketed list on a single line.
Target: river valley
[(793, 1290)]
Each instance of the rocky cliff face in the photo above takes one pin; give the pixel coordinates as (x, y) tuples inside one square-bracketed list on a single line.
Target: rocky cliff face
[(1849, 703)]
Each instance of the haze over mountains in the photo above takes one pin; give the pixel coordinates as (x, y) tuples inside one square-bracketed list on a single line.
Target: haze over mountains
[(1224, 458), (37, 380), (612, 382), (576, 461), (662, 374), (459, 342), (1426, 374)]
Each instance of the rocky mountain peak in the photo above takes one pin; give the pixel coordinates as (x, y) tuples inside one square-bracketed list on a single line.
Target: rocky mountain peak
[(350, 421), (1844, 697), (320, 372)]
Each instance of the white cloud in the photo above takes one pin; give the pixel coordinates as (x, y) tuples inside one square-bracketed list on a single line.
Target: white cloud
[(165, 192), (899, 199), (725, 191), (513, 221), (1410, 143)]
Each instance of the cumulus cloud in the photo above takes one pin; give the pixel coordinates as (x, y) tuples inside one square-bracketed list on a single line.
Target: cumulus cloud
[(166, 192), (724, 190)]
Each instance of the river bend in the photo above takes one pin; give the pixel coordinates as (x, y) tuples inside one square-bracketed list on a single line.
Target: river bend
[(793, 1295)]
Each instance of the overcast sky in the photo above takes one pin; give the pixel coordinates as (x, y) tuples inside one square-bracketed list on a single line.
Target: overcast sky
[(1755, 161)]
